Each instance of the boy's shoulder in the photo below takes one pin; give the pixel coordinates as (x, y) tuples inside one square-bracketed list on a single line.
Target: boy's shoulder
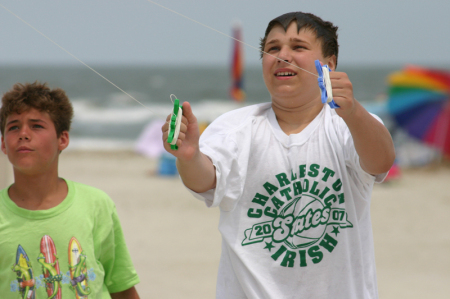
[(236, 118), (85, 188), (247, 111), (89, 193), (234, 121)]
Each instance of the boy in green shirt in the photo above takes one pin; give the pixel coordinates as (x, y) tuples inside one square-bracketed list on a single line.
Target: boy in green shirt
[(58, 238)]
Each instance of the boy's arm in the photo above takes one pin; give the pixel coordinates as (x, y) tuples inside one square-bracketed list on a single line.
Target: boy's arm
[(372, 140), (196, 169), (131, 293)]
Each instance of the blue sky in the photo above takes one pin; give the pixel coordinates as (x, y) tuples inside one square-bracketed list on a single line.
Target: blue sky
[(99, 32)]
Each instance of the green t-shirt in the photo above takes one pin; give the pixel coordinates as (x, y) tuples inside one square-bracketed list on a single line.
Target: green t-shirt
[(75, 249)]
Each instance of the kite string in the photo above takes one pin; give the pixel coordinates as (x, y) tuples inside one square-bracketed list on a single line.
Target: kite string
[(75, 57), (166, 8), (213, 29)]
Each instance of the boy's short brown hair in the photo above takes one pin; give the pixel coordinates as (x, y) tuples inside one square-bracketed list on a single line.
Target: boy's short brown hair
[(39, 96), (326, 32)]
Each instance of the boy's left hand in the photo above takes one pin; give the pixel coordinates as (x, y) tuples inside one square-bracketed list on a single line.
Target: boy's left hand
[(342, 93)]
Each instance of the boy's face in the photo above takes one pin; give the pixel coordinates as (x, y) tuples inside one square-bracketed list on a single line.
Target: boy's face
[(284, 81), (31, 143)]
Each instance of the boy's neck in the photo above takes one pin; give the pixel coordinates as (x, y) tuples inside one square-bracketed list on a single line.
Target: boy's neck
[(39, 192), (293, 121)]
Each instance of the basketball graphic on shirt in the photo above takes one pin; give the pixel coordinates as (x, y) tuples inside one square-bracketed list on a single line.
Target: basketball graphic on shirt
[(307, 227)]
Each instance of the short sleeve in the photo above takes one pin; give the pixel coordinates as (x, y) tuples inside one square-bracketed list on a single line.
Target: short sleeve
[(120, 274), (352, 160), (223, 153), (225, 147), (227, 142)]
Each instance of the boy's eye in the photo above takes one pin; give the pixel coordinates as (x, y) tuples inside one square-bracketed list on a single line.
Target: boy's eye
[(299, 47), (37, 126), (13, 128), (274, 48)]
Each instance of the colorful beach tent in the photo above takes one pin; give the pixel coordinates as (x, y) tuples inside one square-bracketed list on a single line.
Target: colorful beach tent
[(237, 66), (419, 101)]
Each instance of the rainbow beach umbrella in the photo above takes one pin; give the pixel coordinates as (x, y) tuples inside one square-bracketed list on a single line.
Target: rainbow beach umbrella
[(419, 101)]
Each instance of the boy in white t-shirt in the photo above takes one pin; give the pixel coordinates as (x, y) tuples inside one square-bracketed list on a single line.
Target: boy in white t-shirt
[(293, 177)]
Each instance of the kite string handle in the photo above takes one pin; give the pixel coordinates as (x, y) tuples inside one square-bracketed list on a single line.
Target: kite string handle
[(325, 84), (175, 123)]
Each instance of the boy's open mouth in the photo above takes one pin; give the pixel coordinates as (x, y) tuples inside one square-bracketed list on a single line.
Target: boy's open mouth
[(285, 74)]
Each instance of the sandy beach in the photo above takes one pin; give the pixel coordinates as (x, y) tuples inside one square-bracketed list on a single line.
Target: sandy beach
[(175, 244)]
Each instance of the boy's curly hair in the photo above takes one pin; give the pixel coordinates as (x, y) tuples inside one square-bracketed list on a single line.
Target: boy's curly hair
[(39, 96), (326, 32)]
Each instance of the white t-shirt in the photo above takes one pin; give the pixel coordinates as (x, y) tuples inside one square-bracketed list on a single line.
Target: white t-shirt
[(295, 217)]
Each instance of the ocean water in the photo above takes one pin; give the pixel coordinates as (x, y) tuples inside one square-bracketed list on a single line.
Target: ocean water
[(107, 119)]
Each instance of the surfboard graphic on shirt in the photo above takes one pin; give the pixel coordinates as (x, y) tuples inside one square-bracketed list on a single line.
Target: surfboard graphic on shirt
[(78, 269), (50, 267), (25, 276)]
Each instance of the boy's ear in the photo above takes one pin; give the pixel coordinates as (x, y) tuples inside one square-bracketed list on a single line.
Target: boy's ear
[(3, 146), (63, 140), (332, 62)]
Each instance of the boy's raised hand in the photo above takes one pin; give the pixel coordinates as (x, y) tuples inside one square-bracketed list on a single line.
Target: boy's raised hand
[(188, 138), (372, 140), (196, 169), (342, 93)]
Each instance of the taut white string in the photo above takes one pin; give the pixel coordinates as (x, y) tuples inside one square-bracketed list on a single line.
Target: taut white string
[(79, 60), (166, 8), (248, 45)]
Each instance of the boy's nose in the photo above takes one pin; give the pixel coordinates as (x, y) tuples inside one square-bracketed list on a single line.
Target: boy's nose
[(284, 55), (24, 134)]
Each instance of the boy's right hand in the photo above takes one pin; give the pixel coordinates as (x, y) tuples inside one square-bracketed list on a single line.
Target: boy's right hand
[(188, 139), (196, 169)]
